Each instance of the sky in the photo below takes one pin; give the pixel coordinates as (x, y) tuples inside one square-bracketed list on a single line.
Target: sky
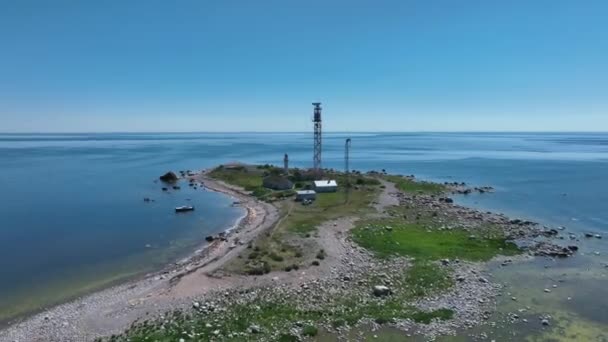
[(226, 65)]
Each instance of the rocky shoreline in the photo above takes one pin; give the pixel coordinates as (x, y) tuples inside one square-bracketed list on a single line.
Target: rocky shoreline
[(112, 310), (194, 284)]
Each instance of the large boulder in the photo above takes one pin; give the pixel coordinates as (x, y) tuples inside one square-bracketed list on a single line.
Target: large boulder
[(381, 290), (169, 177)]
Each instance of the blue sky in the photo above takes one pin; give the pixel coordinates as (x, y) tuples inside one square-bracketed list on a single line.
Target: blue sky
[(257, 65)]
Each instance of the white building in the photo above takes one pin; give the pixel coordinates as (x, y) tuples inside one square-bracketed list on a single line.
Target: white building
[(326, 186), (303, 195)]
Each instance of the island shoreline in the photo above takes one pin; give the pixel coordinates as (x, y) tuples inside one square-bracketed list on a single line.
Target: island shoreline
[(156, 291), (206, 253)]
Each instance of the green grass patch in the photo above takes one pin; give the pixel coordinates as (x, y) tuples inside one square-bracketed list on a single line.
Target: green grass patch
[(271, 316), (285, 245), (393, 308), (415, 240), (251, 178), (310, 330), (246, 177), (367, 181), (413, 186), (288, 338), (328, 206), (426, 278)]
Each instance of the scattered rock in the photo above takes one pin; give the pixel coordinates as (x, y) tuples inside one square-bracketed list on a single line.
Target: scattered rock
[(255, 329), (548, 249), (381, 290), (544, 322), (550, 232)]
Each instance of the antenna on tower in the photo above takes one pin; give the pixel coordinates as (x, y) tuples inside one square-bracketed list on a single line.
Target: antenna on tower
[(347, 161), (317, 137)]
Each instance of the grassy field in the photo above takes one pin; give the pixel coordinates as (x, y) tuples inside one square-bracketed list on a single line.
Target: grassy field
[(287, 246), (426, 245), (249, 178), (417, 187), (393, 237)]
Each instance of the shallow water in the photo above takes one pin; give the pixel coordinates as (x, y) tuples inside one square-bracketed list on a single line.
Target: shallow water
[(73, 217)]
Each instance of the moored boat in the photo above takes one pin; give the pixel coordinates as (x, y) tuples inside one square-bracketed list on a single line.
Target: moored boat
[(184, 208)]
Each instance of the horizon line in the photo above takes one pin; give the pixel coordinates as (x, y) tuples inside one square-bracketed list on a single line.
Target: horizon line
[(274, 132)]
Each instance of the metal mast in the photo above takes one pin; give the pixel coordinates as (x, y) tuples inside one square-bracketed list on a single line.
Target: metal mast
[(347, 160), (317, 143), (347, 156)]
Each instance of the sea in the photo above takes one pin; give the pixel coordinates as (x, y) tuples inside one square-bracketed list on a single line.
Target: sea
[(73, 218)]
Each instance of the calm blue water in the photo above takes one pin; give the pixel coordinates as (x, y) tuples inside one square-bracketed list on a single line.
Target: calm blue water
[(72, 205)]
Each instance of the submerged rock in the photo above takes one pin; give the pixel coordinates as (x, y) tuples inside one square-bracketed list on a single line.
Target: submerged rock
[(550, 232), (547, 249)]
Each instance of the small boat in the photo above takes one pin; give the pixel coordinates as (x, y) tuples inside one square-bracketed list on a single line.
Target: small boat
[(184, 208)]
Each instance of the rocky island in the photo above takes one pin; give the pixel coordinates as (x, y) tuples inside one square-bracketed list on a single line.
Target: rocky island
[(378, 251)]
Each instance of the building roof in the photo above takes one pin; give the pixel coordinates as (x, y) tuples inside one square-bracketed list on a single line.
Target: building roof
[(305, 192), (325, 183)]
